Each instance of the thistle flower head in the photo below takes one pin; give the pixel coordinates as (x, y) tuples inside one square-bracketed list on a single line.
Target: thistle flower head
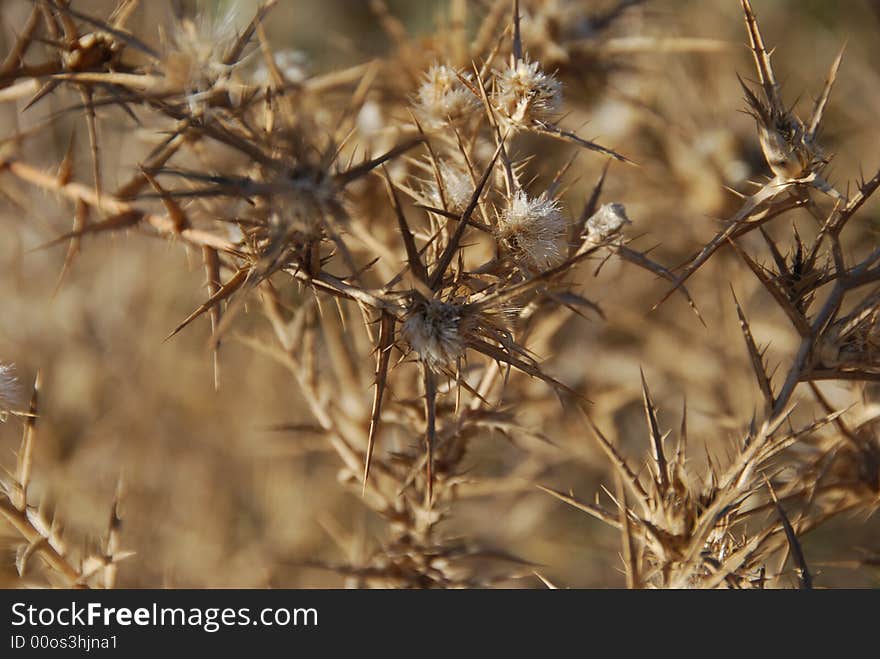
[(196, 50), (9, 390), (524, 94), (443, 98), (789, 144), (788, 147), (533, 229), (435, 330), (458, 188)]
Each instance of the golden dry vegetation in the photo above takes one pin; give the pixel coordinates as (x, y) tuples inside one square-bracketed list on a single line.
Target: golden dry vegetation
[(420, 294)]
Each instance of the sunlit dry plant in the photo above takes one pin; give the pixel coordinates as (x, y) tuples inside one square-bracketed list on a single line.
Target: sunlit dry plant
[(678, 533), (525, 95), (411, 239), (789, 145), (687, 528), (40, 535)]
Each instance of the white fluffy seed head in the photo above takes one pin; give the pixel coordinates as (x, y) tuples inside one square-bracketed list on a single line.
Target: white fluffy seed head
[(443, 98), (195, 52), (606, 222), (458, 188), (533, 229), (524, 94), (433, 330), (10, 391)]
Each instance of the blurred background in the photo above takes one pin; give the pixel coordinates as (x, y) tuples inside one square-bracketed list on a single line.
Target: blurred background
[(215, 497)]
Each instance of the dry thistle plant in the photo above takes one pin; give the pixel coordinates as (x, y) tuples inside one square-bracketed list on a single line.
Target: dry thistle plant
[(40, 534), (398, 236), (694, 530)]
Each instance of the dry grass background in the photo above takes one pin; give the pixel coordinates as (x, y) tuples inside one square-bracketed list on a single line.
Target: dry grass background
[(214, 497)]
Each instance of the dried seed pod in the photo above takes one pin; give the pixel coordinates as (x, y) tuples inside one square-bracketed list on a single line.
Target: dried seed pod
[(789, 144), (606, 222), (853, 342), (789, 148)]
